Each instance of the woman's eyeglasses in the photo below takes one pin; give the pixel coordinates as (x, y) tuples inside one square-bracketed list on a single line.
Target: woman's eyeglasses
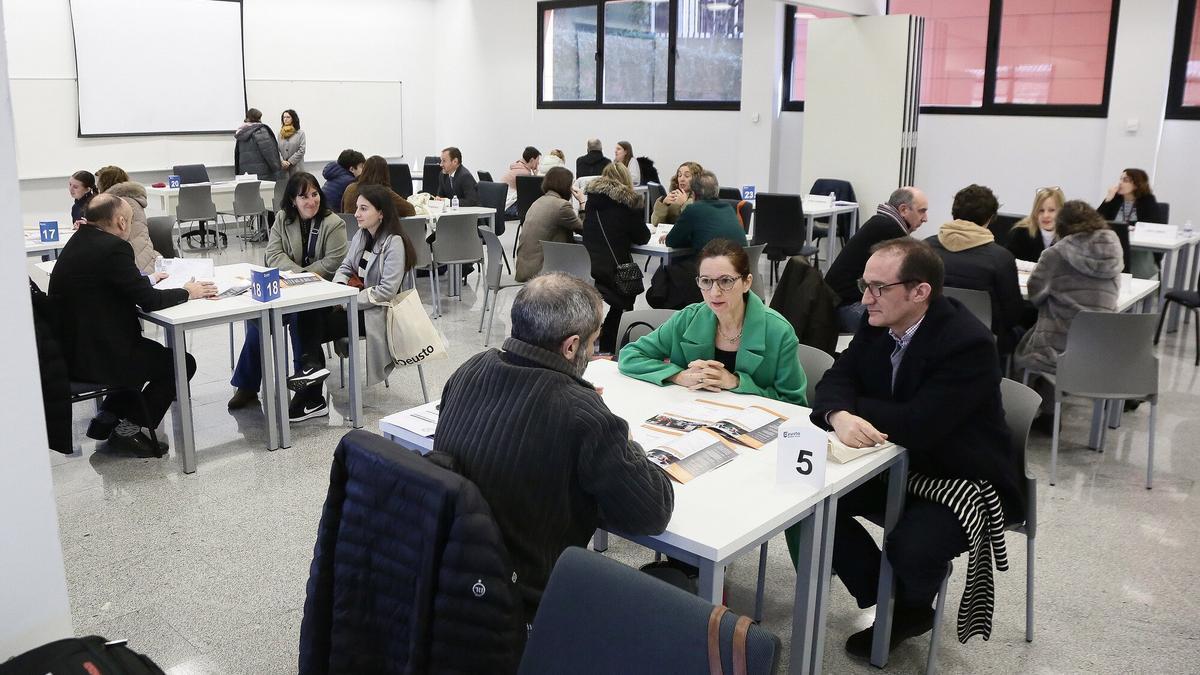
[(876, 288), (725, 283)]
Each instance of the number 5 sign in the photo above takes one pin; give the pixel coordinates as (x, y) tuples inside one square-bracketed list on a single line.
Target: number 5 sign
[(802, 454), (264, 284)]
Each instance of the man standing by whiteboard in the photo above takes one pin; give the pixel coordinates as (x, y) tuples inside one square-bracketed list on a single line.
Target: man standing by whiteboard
[(257, 150)]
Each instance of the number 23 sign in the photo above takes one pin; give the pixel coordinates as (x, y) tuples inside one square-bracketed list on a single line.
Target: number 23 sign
[(802, 455)]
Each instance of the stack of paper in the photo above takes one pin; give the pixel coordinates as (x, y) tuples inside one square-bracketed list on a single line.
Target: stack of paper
[(841, 453)]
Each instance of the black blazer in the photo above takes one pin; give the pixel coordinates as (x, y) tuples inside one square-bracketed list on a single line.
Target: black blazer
[(946, 407), (624, 226), (462, 185), (1146, 206), (990, 268), (847, 267), (97, 289), (1023, 246), (591, 164)]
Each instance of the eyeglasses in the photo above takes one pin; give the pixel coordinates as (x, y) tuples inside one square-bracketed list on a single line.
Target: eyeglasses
[(877, 288), (725, 283)]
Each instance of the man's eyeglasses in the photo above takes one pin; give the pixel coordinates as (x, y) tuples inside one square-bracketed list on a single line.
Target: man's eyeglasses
[(725, 283), (877, 288)]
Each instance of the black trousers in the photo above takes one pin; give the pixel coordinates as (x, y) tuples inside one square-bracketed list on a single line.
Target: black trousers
[(154, 365), (607, 342), (318, 326), (925, 539)]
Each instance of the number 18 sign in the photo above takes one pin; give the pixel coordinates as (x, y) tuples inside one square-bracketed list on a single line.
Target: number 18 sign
[(803, 449), (264, 284)]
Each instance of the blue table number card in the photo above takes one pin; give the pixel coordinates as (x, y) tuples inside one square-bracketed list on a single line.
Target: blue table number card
[(173, 181), (748, 192), (48, 229), (264, 285)]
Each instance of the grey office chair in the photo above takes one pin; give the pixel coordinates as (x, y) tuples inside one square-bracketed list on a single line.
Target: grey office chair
[(161, 236), (493, 196), (1124, 344), (457, 243), (570, 258), (415, 229), (341, 347), (1021, 405), (277, 196), (756, 283), (494, 281), (640, 322), (196, 206), (248, 204), (814, 362), (401, 178), (529, 189), (351, 223), (599, 616), (978, 302)]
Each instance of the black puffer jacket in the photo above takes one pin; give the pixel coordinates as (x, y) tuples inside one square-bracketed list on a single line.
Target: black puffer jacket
[(409, 572), (257, 152), (809, 304), (620, 209)]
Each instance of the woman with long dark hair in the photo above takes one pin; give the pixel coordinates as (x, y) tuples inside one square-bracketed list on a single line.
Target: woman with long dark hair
[(292, 142)]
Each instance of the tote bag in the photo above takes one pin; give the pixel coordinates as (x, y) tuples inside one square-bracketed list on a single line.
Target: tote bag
[(411, 336)]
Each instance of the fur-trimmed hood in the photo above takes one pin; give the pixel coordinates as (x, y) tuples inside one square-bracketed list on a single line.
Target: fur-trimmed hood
[(131, 190), (618, 192)]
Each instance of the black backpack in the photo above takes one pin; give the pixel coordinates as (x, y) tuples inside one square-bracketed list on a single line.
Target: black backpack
[(92, 655)]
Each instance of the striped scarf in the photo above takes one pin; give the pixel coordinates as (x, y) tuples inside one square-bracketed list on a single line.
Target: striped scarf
[(977, 507)]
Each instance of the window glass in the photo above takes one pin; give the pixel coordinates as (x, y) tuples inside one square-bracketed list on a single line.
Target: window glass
[(636, 42), (1053, 52), (569, 54), (708, 46)]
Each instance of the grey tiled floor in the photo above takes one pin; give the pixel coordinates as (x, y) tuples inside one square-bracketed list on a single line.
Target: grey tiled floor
[(206, 572)]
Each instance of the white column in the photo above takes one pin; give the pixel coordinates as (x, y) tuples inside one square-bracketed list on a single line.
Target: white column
[(758, 120)]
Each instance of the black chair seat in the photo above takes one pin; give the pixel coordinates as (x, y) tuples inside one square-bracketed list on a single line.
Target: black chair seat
[(1185, 298), (89, 389)]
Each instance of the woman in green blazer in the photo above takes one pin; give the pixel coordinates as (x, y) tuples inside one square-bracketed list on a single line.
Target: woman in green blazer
[(730, 341)]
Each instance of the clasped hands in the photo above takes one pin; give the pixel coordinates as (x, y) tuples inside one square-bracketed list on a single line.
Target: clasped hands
[(706, 375)]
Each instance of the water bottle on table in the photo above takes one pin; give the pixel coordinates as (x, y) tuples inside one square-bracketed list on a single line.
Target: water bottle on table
[(1187, 229), (454, 203)]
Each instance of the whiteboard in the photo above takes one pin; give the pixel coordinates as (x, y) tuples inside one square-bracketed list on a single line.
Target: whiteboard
[(194, 48)]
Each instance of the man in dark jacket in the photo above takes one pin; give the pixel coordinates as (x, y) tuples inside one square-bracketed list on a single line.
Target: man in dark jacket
[(97, 290), (549, 457), (456, 180), (921, 372), (903, 213), (975, 261), (593, 162), (707, 218), (257, 151), (340, 174)]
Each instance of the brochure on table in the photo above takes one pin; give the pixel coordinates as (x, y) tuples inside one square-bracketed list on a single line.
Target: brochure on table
[(693, 438), (421, 420), (182, 270)]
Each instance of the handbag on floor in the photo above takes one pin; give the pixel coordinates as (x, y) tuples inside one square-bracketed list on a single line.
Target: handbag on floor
[(627, 277), (92, 655), (411, 336)]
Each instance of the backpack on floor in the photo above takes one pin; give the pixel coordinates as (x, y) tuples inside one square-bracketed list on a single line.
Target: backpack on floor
[(92, 655)]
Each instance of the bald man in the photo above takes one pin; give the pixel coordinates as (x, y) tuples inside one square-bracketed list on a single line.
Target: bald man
[(97, 290), (903, 213)]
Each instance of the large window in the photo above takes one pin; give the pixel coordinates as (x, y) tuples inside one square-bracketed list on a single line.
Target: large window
[(795, 50), (640, 53), (1183, 98)]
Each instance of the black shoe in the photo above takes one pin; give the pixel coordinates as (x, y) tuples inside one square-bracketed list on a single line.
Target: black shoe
[(138, 445), (305, 407), (242, 398), (102, 426), (907, 622), (1131, 405), (306, 378)]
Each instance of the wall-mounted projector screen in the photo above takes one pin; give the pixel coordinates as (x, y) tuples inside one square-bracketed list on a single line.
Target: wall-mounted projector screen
[(158, 66)]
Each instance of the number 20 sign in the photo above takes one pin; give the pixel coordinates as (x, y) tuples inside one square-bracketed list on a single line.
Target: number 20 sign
[(802, 455), (264, 284)]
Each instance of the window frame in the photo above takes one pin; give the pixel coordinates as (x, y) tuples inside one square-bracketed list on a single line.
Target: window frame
[(1176, 110), (991, 60), (597, 102)]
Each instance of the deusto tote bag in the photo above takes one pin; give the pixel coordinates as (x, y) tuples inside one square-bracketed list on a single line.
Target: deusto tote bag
[(411, 336)]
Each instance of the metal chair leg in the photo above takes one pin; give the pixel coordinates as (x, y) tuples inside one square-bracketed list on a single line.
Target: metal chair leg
[(1054, 442), (1029, 557), (231, 363), (1162, 315), (762, 579), (486, 291), (1150, 453), (931, 662), (421, 374)]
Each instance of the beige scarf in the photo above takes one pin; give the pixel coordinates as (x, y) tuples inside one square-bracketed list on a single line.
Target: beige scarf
[(287, 131)]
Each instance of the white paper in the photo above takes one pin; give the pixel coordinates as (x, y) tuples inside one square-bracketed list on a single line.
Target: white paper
[(421, 420), (182, 270)]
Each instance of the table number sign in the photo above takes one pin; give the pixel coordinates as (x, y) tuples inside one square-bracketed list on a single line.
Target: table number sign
[(264, 285), (48, 230), (802, 454)]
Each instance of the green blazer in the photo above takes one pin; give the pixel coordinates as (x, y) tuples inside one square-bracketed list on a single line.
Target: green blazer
[(766, 363)]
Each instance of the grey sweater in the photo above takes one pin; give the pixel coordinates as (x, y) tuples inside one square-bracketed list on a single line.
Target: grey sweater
[(553, 462)]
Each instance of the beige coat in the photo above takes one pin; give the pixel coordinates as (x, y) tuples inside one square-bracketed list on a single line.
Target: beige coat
[(285, 245), (139, 233), (550, 218), (667, 213)]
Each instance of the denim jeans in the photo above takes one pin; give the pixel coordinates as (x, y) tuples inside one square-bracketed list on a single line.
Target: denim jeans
[(248, 372)]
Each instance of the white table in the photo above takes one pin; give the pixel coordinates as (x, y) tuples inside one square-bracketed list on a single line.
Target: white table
[(813, 210), (736, 508), (481, 211), (163, 200), (652, 248), (1131, 293), (1177, 265), (35, 247)]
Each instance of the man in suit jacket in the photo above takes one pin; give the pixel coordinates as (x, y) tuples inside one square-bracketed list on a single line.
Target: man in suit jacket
[(906, 209), (921, 372), (98, 289), (456, 180)]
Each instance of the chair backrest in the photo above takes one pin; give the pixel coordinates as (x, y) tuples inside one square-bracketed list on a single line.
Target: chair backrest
[(779, 223), (415, 229), (729, 193), (593, 605), (1002, 225), (247, 198), (565, 257), (351, 223), (432, 159), (401, 177), (842, 190), (1021, 405), (161, 235), (430, 174), (495, 257), (978, 302), (277, 196), (1122, 232), (1164, 211), (485, 176), (190, 173), (529, 189), (457, 239), (492, 195), (639, 322), (814, 362), (756, 283), (195, 203), (654, 192), (1109, 355), (745, 211)]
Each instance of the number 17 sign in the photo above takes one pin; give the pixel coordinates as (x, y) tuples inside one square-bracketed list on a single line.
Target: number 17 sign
[(803, 449)]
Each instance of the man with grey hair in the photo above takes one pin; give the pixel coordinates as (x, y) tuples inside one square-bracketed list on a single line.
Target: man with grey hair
[(552, 461), (593, 163), (707, 218), (903, 213)]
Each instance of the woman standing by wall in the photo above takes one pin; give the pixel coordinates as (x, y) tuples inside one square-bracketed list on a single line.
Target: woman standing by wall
[(291, 142)]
